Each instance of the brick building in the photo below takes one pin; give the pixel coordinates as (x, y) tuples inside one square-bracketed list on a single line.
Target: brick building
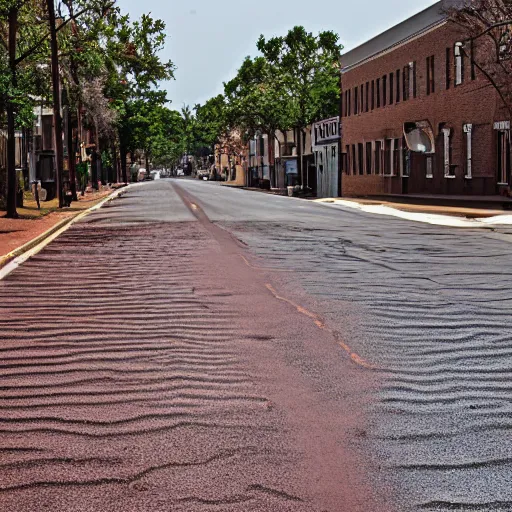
[(418, 118)]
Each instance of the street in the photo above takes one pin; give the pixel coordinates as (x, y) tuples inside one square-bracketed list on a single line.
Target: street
[(195, 347)]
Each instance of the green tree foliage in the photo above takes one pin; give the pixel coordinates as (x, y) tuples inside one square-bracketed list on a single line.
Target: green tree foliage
[(135, 72), (294, 82), (307, 70)]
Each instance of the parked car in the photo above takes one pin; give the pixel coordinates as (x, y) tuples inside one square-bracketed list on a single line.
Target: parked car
[(180, 172), (155, 175)]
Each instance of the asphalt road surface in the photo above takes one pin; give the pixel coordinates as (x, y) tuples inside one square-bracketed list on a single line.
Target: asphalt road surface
[(191, 347)]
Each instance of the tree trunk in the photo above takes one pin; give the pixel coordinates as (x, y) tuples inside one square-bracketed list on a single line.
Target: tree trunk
[(94, 169), (97, 158), (71, 156), (271, 159), (123, 154), (11, 129), (57, 118), (298, 140), (147, 163)]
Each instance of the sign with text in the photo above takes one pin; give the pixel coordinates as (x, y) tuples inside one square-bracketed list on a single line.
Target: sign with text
[(291, 167), (325, 131), (502, 125)]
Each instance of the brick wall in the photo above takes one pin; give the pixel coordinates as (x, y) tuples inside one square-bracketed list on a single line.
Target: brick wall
[(474, 101)]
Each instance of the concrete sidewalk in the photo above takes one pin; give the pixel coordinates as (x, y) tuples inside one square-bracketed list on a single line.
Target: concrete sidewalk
[(435, 215), (457, 211), (34, 225)]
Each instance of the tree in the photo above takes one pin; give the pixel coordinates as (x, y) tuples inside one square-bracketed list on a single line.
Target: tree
[(257, 98), (487, 29), (307, 70), (21, 24), (135, 71), (211, 123)]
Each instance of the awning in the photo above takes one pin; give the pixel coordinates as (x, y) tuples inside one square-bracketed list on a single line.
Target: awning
[(419, 137)]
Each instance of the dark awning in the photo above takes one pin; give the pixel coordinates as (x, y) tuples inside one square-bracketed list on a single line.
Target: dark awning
[(419, 137)]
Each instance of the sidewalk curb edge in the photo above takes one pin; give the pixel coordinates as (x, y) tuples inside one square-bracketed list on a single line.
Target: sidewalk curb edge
[(37, 244)]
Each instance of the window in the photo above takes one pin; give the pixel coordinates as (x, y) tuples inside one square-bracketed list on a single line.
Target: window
[(459, 64), (347, 159), (397, 160), (388, 157), (349, 102), (354, 160), (431, 81), (384, 90), (373, 94), (449, 171), (397, 86), (378, 156), (412, 78), (468, 129), (361, 110), (356, 100), (378, 92), (430, 167), (406, 159), (503, 156), (367, 105), (344, 162), (369, 158), (448, 67), (405, 83), (360, 158), (391, 88)]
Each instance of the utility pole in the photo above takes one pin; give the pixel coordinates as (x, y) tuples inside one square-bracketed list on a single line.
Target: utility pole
[(57, 118), (11, 128)]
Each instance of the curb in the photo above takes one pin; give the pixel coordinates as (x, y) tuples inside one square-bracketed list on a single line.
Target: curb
[(4, 260), (15, 258)]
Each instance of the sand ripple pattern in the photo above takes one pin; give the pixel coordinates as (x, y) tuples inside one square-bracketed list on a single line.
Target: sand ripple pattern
[(432, 307), (122, 385)]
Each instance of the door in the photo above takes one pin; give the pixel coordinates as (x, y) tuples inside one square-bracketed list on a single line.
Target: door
[(326, 161), (503, 156)]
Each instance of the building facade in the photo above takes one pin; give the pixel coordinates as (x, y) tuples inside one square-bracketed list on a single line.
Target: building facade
[(419, 118)]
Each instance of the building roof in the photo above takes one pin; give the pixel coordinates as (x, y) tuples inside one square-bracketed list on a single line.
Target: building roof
[(414, 26)]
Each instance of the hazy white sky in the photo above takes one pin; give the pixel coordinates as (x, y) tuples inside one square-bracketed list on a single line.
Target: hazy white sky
[(209, 39)]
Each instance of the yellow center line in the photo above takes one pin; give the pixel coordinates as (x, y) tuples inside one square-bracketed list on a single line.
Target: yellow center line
[(246, 261), (356, 358)]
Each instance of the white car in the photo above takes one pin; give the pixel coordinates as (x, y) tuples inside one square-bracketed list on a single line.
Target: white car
[(155, 175), (180, 172)]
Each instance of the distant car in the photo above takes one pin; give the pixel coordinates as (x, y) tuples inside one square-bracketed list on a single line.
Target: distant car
[(203, 175), (155, 175), (180, 172)]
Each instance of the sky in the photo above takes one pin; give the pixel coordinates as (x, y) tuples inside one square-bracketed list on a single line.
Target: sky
[(208, 40)]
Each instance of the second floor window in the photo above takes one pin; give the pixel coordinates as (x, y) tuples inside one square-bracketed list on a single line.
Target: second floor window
[(459, 64), (397, 85), (384, 90), (448, 67), (431, 82)]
